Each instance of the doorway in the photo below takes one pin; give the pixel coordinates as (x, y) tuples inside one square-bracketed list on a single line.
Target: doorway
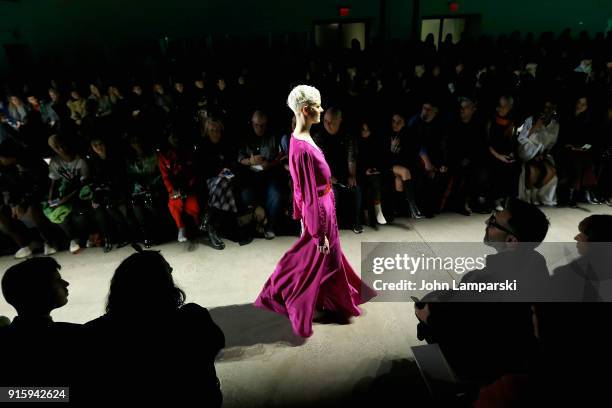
[(334, 35), (456, 26)]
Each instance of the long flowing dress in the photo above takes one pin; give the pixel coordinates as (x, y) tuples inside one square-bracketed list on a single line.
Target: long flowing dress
[(304, 278)]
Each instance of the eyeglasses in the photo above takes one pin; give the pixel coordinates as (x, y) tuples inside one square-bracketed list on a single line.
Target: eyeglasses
[(492, 222)]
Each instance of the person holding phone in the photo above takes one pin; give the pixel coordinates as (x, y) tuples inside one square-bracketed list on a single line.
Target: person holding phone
[(577, 136), (314, 273), (502, 170), (369, 163)]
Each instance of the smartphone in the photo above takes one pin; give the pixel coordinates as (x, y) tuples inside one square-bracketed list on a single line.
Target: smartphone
[(586, 147), (54, 203)]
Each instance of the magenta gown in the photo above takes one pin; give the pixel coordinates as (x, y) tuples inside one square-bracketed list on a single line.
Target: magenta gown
[(305, 278)]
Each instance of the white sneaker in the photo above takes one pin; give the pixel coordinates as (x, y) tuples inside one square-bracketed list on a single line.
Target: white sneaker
[(24, 252), (380, 218), (181, 235), (49, 250), (74, 246), (499, 205)]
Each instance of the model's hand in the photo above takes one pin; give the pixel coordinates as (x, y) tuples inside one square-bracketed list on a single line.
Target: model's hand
[(323, 246)]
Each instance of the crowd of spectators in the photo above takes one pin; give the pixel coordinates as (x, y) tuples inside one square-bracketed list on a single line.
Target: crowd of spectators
[(199, 146)]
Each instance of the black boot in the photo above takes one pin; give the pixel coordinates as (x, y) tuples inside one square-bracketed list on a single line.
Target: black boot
[(410, 198), (572, 198), (214, 239), (108, 246)]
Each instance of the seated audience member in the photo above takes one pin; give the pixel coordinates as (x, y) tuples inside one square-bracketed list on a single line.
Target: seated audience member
[(261, 185), (179, 173), (427, 127), (105, 107), (59, 106), (147, 192), (583, 291), (538, 135), (24, 179), (47, 114), (69, 196), (467, 152), (604, 176), (588, 278), (483, 352), (110, 192), (41, 351), (76, 104), (402, 153), (216, 159), (502, 170), (340, 149), (578, 142), (17, 111), (371, 164), (148, 331)]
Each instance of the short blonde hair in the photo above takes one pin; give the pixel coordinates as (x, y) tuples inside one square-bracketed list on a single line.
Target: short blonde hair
[(303, 95)]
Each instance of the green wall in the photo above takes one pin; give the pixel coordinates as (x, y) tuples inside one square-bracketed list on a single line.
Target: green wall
[(66, 26), (530, 15)]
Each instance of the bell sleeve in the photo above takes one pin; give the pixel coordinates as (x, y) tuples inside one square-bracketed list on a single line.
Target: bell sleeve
[(312, 212)]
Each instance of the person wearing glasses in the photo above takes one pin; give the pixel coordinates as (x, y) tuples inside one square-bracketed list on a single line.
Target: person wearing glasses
[(482, 341), (314, 274)]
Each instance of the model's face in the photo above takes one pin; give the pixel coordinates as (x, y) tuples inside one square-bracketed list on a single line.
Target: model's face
[(315, 112), (397, 123)]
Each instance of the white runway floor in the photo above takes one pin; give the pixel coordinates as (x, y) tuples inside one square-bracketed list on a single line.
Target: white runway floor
[(264, 365)]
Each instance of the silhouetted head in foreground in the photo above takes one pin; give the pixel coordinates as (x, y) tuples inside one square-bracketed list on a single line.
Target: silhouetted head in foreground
[(35, 287), (143, 285)]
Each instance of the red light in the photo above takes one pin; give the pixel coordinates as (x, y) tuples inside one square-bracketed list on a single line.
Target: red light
[(344, 11), (454, 7)]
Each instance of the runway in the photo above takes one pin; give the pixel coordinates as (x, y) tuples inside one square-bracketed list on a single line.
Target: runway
[(264, 364)]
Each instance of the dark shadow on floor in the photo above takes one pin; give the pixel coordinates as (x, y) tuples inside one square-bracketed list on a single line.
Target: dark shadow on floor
[(246, 326), (398, 383)]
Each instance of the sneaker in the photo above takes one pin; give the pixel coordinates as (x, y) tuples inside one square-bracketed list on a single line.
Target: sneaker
[(357, 228), (74, 246), (499, 205), (269, 235), (181, 235), (24, 252), (49, 250)]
